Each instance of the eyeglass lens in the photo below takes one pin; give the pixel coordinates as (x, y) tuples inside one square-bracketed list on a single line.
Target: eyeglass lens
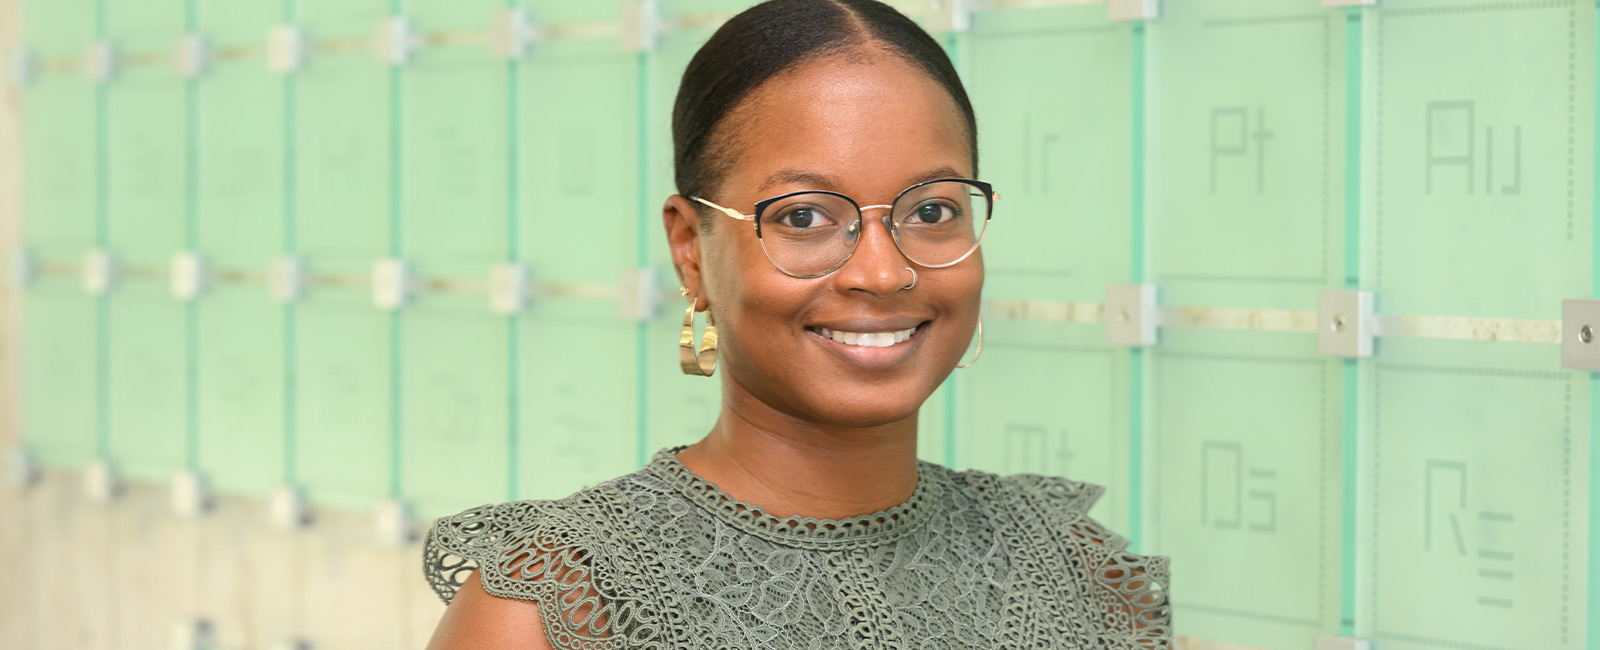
[(933, 224)]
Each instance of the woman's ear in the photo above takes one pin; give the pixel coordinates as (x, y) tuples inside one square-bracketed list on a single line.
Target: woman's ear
[(682, 222)]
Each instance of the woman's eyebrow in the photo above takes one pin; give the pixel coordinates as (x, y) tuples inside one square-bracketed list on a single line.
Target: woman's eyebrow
[(799, 177), (823, 181)]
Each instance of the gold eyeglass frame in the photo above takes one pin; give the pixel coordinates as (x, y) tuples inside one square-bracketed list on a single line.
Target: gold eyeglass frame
[(988, 192)]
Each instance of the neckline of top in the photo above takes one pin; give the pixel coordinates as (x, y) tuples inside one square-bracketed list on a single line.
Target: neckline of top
[(869, 529)]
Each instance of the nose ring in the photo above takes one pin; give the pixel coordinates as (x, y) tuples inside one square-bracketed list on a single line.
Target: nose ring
[(913, 279)]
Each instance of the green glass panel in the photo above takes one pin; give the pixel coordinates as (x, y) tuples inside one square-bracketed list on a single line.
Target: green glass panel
[(60, 168), (579, 397), (552, 12), (454, 159), (240, 397), (141, 27), (1480, 126), (60, 372), (1243, 481), (578, 183), (1066, 418), (454, 414), (433, 15), (343, 419), (239, 24), (1245, 132), (58, 27), (147, 374), (1473, 508), (343, 18), (239, 183), (147, 166), (1059, 163), (344, 154)]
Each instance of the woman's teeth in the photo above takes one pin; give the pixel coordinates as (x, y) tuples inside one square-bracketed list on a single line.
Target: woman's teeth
[(867, 339)]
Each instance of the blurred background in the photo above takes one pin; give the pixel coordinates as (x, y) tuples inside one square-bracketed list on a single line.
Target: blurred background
[(286, 280)]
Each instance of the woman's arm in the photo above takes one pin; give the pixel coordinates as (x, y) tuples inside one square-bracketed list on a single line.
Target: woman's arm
[(477, 619)]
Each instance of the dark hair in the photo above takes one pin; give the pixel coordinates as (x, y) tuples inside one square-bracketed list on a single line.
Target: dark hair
[(769, 38)]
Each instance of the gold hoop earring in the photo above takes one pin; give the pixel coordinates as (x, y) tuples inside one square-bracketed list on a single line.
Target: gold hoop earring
[(704, 362), (979, 352)]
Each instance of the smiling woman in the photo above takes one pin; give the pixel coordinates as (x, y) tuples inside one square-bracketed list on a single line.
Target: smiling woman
[(841, 133)]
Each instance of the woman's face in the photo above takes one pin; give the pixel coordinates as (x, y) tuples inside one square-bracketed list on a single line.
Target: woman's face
[(866, 127)]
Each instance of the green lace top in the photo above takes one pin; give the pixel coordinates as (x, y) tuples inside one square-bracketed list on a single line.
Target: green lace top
[(661, 558)]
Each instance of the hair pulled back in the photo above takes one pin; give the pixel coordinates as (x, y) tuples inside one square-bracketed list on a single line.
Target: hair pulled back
[(764, 41)]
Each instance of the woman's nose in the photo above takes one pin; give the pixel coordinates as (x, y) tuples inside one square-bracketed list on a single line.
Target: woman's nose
[(877, 265)]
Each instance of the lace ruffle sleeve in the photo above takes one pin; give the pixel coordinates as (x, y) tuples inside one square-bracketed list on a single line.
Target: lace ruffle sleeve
[(534, 551), (1129, 591)]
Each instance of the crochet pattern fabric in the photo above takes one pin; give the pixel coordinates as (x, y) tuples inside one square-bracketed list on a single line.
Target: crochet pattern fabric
[(661, 558)]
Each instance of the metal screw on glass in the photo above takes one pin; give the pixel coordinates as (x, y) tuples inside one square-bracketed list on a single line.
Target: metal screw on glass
[(1585, 334), (811, 233), (1338, 324)]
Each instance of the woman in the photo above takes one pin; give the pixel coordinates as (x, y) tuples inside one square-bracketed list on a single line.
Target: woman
[(828, 224)]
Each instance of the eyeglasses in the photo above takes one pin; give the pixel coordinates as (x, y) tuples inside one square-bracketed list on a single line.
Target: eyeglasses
[(811, 233)]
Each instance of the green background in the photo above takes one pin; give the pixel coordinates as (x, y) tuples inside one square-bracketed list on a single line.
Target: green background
[(1237, 153)]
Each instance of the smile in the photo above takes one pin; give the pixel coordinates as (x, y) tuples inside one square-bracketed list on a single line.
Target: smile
[(870, 350), (867, 339)]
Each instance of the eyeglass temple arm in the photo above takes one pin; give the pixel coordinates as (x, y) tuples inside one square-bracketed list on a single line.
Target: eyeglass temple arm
[(727, 211)]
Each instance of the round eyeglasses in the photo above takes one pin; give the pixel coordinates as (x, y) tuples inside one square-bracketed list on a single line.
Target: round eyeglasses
[(811, 233)]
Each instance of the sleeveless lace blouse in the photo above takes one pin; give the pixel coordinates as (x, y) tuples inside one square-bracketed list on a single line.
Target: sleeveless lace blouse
[(663, 559)]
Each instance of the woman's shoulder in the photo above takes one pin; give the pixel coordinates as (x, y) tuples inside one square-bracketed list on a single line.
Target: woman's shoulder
[(1058, 496), (520, 548), (1056, 508)]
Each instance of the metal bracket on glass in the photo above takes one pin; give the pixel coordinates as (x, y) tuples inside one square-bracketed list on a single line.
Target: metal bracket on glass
[(99, 272), (513, 33), (286, 49), (1131, 315), (392, 284), (640, 25), (949, 15), (394, 41), (639, 298), (190, 495), (287, 279), (189, 275), (394, 525), (192, 634), (1133, 9), (100, 481), (100, 62), (287, 509), (22, 471), (24, 67), (508, 288), (24, 269), (192, 56), (1342, 643), (1345, 324), (1580, 327)]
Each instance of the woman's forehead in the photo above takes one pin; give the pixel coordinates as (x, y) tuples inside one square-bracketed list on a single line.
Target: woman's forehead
[(840, 119)]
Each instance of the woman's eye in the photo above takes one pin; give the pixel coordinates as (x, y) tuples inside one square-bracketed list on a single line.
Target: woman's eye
[(802, 218), (931, 213)]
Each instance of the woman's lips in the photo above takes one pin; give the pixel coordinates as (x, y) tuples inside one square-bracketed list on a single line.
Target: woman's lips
[(870, 357)]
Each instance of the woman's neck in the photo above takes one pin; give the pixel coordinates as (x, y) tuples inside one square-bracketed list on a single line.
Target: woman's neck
[(791, 467)]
